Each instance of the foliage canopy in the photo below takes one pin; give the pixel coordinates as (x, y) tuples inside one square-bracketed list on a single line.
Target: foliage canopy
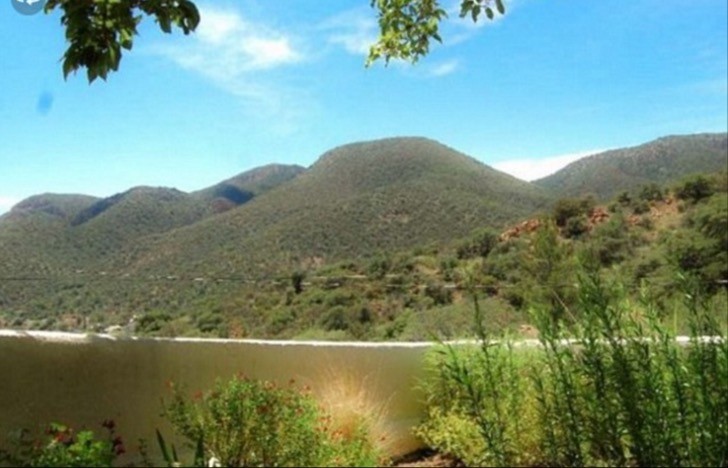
[(98, 31)]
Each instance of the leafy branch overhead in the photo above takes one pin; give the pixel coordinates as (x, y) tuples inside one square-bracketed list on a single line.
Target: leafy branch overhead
[(406, 27), (97, 31)]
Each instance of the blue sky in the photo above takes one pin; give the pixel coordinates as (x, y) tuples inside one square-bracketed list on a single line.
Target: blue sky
[(263, 82)]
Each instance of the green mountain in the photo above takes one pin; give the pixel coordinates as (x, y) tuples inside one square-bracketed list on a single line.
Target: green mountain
[(664, 160), (244, 187), (54, 234), (356, 200), (58, 205), (33, 234), (376, 233)]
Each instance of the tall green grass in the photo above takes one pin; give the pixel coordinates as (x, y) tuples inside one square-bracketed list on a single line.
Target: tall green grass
[(611, 388)]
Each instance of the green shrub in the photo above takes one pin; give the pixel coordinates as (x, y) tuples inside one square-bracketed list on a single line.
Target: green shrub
[(64, 447), (567, 208), (695, 188), (379, 266), (246, 422), (651, 192), (439, 294), (622, 392), (576, 226), (640, 207), (478, 244)]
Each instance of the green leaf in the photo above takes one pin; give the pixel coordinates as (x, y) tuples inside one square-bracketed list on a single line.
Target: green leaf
[(500, 7)]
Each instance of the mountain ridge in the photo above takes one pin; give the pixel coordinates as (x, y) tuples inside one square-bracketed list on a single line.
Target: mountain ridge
[(356, 199), (659, 161)]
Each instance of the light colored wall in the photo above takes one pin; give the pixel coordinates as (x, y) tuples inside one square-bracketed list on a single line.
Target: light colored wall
[(81, 380)]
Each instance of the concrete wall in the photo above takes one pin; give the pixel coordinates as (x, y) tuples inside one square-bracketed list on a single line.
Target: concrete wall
[(81, 380)]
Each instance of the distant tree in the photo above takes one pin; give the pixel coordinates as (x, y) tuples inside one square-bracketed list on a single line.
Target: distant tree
[(624, 198), (576, 226), (568, 208), (479, 244), (695, 189), (651, 192), (98, 31), (297, 281), (550, 272)]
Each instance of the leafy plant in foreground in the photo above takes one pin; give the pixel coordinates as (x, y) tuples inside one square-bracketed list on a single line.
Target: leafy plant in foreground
[(246, 422), (64, 447), (612, 389)]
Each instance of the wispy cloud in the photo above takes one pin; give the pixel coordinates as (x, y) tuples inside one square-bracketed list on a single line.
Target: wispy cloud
[(535, 168), (444, 68), (356, 30), (353, 30), (238, 56)]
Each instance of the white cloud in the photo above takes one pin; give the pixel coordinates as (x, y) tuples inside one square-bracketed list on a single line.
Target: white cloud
[(443, 69), (532, 168), (7, 202), (238, 56), (225, 39), (353, 30)]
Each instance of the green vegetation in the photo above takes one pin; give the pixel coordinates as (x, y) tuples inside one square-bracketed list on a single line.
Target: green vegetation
[(240, 422), (245, 422), (374, 242), (99, 33), (661, 162), (607, 384), (614, 389), (63, 447)]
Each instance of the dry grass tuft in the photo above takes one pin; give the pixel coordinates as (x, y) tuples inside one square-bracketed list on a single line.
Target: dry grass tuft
[(354, 407)]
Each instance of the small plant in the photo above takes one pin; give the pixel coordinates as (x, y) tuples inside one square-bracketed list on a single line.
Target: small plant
[(246, 422), (64, 447)]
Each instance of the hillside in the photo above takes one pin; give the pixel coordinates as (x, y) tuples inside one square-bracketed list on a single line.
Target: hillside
[(378, 234), (354, 201), (245, 186), (664, 160), (33, 235), (61, 206), (58, 233)]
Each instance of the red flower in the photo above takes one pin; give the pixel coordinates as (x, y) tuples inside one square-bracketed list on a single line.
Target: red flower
[(109, 424)]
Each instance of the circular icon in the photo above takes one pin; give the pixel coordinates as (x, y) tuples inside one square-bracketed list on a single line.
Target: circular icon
[(28, 7)]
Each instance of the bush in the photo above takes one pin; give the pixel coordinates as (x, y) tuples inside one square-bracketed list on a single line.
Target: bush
[(379, 266), (246, 422), (439, 294), (576, 226), (568, 208), (651, 192), (63, 447), (640, 207), (695, 189), (627, 395), (479, 244)]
